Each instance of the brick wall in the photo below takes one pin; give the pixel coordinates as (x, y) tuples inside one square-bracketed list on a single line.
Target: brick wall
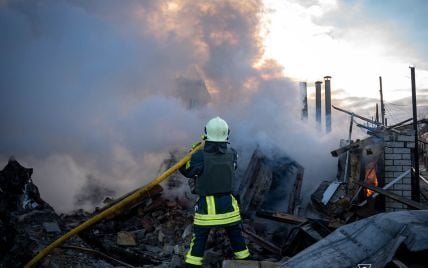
[(397, 157)]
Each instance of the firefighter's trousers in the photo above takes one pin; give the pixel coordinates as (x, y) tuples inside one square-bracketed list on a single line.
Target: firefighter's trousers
[(194, 257)]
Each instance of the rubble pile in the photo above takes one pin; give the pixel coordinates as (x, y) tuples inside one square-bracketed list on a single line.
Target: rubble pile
[(153, 232), (156, 230), (29, 224)]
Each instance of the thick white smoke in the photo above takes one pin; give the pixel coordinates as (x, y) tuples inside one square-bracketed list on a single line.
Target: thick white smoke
[(89, 91)]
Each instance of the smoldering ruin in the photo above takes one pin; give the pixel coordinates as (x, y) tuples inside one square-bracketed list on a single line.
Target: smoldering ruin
[(367, 214)]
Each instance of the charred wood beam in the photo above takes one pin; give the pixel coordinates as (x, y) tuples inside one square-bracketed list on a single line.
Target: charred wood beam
[(358, 116), (262, 242), (281, 217), (393, 196), (295, 193), (355, 145), (99, 253), (420, 121), (400, 123), (421, 141), (405, 173)]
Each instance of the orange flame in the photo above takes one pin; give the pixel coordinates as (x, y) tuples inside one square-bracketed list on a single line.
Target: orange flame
[(370, 178)]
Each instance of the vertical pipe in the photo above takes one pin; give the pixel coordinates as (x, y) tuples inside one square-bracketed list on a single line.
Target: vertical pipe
[(345, 176), (382, 107), (327, 93), (415, 177), (318, 103), (304, 98), (377, 113)]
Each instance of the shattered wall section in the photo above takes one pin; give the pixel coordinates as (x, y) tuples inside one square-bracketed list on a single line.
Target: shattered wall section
[(271, 183), (398, 160)]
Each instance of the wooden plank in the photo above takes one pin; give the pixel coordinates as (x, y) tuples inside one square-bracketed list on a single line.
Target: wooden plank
[(393, 196), (281, 216), (262, 242)]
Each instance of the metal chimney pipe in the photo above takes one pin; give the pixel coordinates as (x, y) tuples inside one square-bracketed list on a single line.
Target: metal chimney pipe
[(327, 93), (304, 98), (318, 103), (415, 174)]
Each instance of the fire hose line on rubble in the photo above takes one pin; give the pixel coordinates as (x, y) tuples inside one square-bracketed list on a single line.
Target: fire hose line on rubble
[(113, 209)]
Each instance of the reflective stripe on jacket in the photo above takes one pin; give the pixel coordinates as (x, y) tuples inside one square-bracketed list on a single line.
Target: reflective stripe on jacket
[(213, 210)]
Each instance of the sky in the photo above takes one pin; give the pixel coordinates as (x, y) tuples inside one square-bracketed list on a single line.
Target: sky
[(89, 88), (353, 41)]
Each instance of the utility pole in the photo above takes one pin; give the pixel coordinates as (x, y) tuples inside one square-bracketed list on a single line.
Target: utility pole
[(415, 177), (382, 107)]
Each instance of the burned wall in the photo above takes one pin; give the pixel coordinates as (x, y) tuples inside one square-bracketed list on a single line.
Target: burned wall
[(398, 160)]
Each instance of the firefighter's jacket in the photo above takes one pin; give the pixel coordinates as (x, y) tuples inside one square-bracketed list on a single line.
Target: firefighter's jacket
[(216, 204)]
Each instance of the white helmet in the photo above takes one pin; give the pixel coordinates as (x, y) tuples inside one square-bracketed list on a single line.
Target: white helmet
[(217, 130)]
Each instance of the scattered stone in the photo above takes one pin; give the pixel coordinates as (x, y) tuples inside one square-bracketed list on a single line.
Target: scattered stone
[(187, 231), (152, 249), (161, 236), (168, 249), (179, 249), (176, 261), (126, 239), (51, 227), (213, 257)]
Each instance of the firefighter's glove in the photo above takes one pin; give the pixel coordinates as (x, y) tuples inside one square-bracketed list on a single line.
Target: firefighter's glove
[(192, 185)]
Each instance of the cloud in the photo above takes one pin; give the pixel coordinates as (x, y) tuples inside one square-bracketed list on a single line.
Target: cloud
[(353, 41)]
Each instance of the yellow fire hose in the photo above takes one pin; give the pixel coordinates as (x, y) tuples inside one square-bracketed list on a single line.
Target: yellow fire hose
[(117, 207)]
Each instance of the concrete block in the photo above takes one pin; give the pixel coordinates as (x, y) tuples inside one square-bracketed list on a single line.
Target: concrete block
[(407, 194), (408, 132), (401, 150), (402, 162), (406, 167), (400, 186), (405, 138), (394, 144), (393, 168), (410, 144), (392, 156), (395, 191), (242, 264), (396, 174), (407, 180), (389, 174), (388, 138), (406, 156), (389, 162), (389, 150)]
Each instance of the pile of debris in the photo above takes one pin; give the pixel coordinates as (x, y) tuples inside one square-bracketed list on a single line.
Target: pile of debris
[(155, 230)]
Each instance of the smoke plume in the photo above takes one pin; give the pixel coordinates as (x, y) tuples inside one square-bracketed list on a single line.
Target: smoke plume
[(89, 91)]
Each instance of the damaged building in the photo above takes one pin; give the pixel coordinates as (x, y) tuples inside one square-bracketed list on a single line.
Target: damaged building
[(375, 212)]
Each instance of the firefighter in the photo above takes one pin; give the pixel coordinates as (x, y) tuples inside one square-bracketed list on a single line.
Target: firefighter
[(211, 172)]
